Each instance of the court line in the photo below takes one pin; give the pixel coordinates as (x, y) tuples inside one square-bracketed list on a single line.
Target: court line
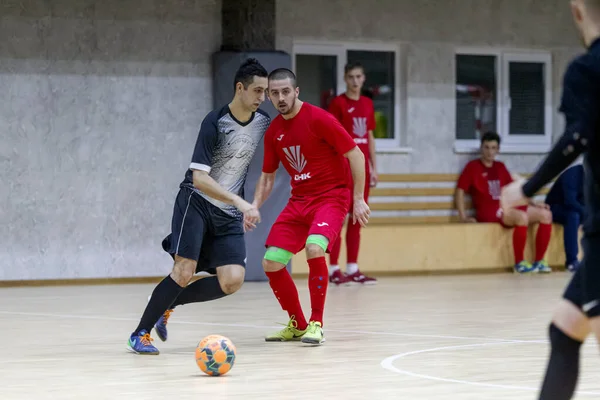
[(301, 289), (253, 326), (388, 364)]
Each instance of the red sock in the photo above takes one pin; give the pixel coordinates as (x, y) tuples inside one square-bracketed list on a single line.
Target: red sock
[(317, 285), (542, 240), (334, 254), (353, 242), (285, 290), (519, 240)]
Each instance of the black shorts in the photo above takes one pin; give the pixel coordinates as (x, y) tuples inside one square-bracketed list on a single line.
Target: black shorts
[(204, 233), (584, 288)]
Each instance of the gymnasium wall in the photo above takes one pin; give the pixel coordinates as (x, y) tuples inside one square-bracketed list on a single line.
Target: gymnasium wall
[(101, 104), (428, 33)]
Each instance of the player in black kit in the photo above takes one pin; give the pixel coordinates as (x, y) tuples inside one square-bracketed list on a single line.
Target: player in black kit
[(210, 214), (578, 313)]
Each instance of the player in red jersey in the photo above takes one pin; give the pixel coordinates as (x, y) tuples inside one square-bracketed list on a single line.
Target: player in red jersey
[(357, 114), (313, 147), (483, 179)]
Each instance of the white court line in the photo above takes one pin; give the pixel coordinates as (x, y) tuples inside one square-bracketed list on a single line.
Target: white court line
[(347, 331), (388, 363), (301, 289)]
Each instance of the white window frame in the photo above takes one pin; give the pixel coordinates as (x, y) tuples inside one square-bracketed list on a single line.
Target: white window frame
[(340, 50), (515, 144)]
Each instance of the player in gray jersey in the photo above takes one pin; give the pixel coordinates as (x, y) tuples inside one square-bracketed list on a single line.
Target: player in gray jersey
[(210, 215)]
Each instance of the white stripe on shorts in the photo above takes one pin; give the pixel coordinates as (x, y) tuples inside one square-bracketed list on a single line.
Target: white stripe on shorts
[(183, 223)]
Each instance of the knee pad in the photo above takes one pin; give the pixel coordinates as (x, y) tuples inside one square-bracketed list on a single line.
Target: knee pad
[(278, 255), (319, 240)]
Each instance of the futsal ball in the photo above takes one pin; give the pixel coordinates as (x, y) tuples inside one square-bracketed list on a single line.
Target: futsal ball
[(215, 355)]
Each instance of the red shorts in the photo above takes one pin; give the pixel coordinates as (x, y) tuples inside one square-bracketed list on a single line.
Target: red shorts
[(495, 215), (301, 217)]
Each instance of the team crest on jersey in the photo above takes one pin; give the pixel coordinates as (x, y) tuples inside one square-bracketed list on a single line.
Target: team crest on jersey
[(359, 126), (297, 161)]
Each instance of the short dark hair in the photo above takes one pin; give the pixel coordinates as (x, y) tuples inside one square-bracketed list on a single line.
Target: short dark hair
[(490, 137), (280, 74), (353, 65), (247, 71)]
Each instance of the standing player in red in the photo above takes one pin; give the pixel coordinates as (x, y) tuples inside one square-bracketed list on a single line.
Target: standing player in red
[(357, 114), (313, 147), (483, 179)]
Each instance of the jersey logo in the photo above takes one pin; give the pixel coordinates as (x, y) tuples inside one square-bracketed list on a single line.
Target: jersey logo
[(494, 189), (225, 132), (323, 224), (280, 137), (297, 161), (351, 109), (359, 126), (295, 157)]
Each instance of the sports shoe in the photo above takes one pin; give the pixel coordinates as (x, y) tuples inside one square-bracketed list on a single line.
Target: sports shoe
[(314, 333), (524, 267), (287, 334), (574, 266), (141, 343), (542, 267), (161, 326), (338, 278), (358, 277)]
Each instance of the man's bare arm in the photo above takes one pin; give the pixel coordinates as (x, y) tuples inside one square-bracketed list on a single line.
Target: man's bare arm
[(204, 182), (357, 166), (264, 187), (459, 199)]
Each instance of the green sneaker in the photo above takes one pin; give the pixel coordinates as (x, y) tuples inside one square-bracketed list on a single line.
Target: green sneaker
[(287, 334), (524, 268), (542, 267), (314, 333)]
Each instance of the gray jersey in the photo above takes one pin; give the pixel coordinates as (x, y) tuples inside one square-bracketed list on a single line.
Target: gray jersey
[(224, 149)]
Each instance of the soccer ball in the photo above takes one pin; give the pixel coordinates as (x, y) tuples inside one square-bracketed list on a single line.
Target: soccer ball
[(215, 355)]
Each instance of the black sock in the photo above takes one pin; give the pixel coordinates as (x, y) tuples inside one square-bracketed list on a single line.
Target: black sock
[(162, 297), (204, 289), (563, 367)]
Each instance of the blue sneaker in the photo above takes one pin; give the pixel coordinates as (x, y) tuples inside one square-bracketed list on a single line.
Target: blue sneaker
[(542, 267), (524, 268), (574, 266), (141, 343), (161, 326)]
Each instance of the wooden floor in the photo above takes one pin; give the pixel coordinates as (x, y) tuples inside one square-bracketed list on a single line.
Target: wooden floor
[(439, 337)]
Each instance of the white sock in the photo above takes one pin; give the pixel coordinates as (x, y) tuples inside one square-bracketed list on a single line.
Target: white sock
[(351, 268), (333, 268)]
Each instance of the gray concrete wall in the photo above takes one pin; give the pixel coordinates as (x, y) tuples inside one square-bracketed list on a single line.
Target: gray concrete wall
[(428, 33), (101, 104)]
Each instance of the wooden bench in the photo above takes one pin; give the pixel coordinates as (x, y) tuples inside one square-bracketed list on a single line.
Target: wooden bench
[(414, 229), (413, 186)]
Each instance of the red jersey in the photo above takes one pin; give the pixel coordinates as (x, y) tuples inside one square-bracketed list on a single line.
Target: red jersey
[(311, 147), (484, 185), (357, 116)]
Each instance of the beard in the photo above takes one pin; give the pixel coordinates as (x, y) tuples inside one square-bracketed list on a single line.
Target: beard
[(289, 109)]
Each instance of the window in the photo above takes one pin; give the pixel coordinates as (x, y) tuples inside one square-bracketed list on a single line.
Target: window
[(510, 93), (320, 72)]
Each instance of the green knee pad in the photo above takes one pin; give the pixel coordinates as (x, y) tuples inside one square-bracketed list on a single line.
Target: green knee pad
[(278, 255), (319, 240)]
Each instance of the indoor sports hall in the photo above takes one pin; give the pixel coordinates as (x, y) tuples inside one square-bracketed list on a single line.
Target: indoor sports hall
[(101, 107)]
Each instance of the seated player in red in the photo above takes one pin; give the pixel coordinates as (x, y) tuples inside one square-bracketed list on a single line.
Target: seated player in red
[(357, 114), (483, 180)]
